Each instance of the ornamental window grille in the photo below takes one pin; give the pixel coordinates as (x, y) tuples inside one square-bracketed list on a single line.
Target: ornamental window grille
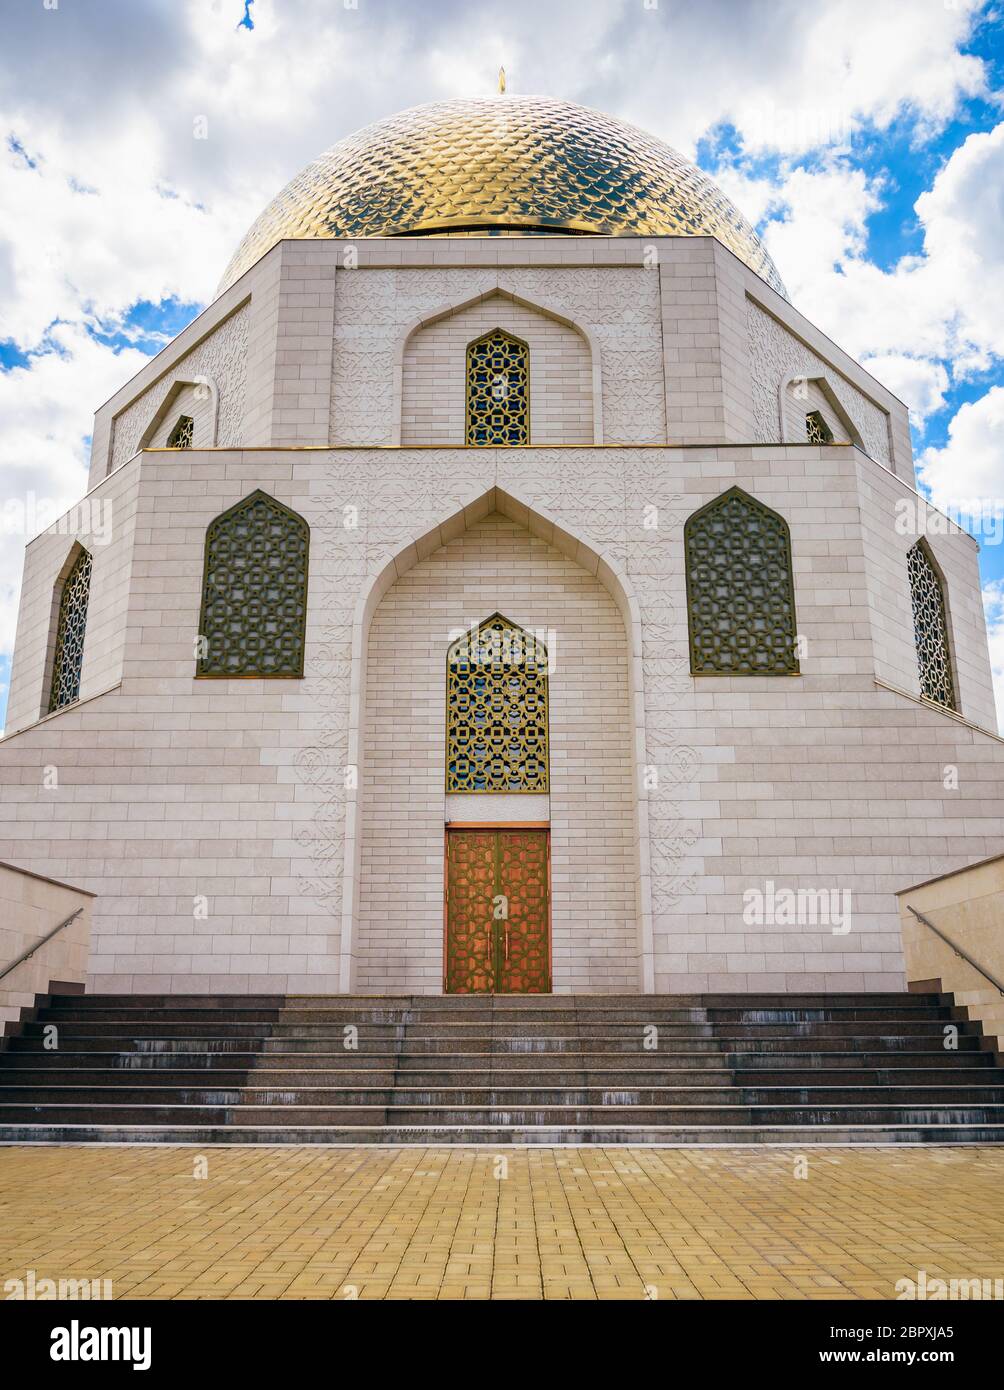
[(740, 589), (496, 710), (183, 434), (930, 628), (254, 594), (69, 653), (498, 390), (816, 428)]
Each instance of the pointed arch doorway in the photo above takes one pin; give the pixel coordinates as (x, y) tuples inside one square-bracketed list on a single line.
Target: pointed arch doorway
[(497, 558)]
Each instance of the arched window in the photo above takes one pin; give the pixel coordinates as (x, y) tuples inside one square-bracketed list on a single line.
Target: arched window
[(254, 594), (496, 710), (69, 653), (183, 434), (816, 429), (740, 591), (498, 390), (930, 627)]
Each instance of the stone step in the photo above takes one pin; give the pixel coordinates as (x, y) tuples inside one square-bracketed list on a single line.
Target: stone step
[(545, 1017), (461, 1034), (223, 1111), (501, 1001), (768, 1058), (947, 1080), (214, 1054), (493, 1137), (532, 1069), (607, 1077), (408, 1046), (297, 1093)]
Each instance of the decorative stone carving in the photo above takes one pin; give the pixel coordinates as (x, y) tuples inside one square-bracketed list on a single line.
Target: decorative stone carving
[(222, 358), (776, 354), (619, 308)]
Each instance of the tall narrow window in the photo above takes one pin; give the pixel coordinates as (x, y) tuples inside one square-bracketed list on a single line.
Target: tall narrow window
[(930, 628), (254, 596), (183, 434), (496, 710), (740, 591), (816, 428), (69, 654), (498, 390)]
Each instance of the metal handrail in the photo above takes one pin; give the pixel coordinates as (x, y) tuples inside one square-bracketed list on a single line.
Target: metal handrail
[(964, 955), (41, 942)]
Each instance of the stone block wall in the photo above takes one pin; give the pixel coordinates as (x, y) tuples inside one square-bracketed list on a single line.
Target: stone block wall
[(219, 363), (893, 519), (217, 818), (104, 524), (317, 343), (434, 375), (214, 818), (199, 403), (777, 355)]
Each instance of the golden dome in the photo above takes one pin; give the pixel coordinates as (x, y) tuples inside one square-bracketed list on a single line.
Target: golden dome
[(498, 166)]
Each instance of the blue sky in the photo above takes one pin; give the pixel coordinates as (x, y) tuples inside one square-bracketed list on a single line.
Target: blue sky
[(864, 137)]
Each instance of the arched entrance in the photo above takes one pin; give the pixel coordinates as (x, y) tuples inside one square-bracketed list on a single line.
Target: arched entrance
[(590, 809)]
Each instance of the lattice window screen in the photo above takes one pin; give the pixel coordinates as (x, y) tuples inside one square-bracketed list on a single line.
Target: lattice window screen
[(930, 628), (740, 591), (498, 390), (496, 711), (69, 654), (816, 428), (183, 434), (254, 598)]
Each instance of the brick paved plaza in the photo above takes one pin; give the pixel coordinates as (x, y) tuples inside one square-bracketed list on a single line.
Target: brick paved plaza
[(404, 1223)]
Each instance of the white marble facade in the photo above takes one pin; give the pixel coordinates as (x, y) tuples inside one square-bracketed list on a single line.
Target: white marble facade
[(212, 817)]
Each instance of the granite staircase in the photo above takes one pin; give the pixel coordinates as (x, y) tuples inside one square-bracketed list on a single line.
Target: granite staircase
[(555, 1069)]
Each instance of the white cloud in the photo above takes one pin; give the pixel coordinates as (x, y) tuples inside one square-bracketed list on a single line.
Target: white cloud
[(945, 303), (821, 229), (791, 77), (47, 408), (963, 214), (863, 62), (77, 255), (168, 207), (105, 99), (920, 384), (971, 464), (993, 607)]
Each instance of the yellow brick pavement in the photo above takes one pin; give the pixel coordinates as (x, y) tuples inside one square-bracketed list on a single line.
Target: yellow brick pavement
[(415, 1223)]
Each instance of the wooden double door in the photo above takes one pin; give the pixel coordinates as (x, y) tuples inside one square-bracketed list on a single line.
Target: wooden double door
[(497, 912)]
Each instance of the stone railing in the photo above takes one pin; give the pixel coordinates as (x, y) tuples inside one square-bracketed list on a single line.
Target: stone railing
[(967, 907), (30, 907)]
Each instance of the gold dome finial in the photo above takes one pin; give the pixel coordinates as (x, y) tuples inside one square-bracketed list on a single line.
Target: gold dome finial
[(501, 80)]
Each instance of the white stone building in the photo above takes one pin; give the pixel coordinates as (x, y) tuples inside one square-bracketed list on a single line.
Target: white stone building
[(739, 763)]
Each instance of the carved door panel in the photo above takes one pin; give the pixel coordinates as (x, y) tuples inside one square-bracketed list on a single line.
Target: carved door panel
[(471, 873), (497, 912)]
